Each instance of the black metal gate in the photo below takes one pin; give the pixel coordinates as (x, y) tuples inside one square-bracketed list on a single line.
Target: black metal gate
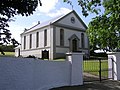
[(96, 69)]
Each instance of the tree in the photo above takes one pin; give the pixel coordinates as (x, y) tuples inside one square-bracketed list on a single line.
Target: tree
[(10, 8), (87, 6), (9, 48), (103, 34), (104, 29)]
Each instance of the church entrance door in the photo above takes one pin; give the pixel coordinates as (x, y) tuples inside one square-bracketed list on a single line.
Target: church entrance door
[(74, 45)]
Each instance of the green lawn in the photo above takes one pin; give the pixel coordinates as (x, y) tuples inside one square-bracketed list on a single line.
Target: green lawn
[(93, 67), (11, 54)]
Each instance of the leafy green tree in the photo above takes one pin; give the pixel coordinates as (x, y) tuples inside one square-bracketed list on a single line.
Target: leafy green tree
[(7, 48), (10, 8), (104, 29), (87, 6)]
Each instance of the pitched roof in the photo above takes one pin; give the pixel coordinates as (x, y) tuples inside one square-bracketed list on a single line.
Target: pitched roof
[(54, 20)]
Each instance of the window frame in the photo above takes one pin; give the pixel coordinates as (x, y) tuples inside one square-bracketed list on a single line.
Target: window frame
[(24, 46), (61, 37), (45, 37), (37, 39), (30, 42), (82, 40)]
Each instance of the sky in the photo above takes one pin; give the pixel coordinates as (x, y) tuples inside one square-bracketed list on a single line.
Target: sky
[(48, 10)]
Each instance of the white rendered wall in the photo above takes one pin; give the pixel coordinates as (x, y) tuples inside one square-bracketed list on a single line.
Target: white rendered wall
[(36, 51), (41, 38), (27, 41), (61, 50), (34, 74), (76, 60), (67, 34), (30, 74), (16, 52), (67, 21), (114, 63), (41, 43)]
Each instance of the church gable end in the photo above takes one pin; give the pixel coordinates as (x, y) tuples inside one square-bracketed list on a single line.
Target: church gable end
[(72, 20)]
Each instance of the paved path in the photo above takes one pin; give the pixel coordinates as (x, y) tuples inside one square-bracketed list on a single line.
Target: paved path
[(104, 85), (95, 85)]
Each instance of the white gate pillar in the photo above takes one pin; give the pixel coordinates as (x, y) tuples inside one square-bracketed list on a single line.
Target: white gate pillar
[(76, 74), (114, 63)]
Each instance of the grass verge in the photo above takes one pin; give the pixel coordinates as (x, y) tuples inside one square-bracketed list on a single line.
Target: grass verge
[(93, 67), (10, 54)]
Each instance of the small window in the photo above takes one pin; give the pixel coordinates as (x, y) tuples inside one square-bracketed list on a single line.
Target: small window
[(82, 40), (30, 40), (61, 37), (24, 42), (45, 37), (37, 39)]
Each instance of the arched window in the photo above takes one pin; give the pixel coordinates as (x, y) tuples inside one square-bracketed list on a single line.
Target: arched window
[(30, 40), (45, 37), (37, 39), (61, 37), (24, 42), (82, 40)]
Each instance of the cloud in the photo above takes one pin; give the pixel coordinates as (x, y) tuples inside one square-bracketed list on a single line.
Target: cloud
[(50, 8), (34, 23), (61, 11), (47, 5), (16, 30)]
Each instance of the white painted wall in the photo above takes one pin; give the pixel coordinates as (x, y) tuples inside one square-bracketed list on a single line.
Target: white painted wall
[(30, 74), (34, 74), (67, 21), (52, 47), (67, 34), (114, 63), (62, 50), (41, 38), (36, 51), (58, 36), (17, 51), (76, 60), (40, 28)]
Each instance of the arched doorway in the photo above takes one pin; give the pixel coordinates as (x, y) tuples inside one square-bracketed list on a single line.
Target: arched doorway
[(74, 45)]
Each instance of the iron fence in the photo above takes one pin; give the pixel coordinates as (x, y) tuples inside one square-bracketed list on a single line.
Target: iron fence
[(96, 69)]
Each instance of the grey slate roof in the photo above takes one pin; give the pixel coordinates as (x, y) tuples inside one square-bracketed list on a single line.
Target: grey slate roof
[(51, 21), (46, 23)]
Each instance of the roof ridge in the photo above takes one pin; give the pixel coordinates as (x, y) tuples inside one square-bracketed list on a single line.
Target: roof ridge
[(52, 20)]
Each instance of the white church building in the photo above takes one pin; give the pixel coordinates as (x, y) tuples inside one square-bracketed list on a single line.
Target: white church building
[(66, 33)]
